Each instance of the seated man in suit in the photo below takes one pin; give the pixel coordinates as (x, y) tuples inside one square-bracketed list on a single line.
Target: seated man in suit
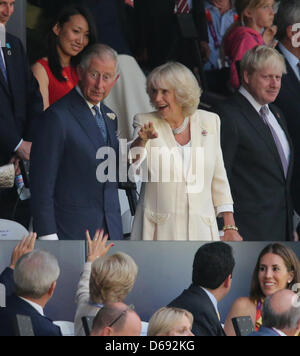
[(21, 103), (280, 315), (212, 275), (71, 190), (35, 277), (257, 150), (116, 319), (288, 98)]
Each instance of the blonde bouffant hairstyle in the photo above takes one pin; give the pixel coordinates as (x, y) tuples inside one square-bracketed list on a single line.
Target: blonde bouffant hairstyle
[(112, 278), (164, 319), (175, 76)]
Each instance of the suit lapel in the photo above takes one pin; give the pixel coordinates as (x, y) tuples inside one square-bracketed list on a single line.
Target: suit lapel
[(110, 123), (85, 118), (7, 60), (260, 127)]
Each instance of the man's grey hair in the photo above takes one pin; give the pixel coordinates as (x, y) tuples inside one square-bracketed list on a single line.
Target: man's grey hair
[(286, 320), (288, 14), (34, 274), (102, 52)]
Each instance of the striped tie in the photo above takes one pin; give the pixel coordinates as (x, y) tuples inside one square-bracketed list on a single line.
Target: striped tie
[(182, 7)]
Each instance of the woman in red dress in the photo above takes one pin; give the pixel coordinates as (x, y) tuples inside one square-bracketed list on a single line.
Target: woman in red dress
[(69, 35)]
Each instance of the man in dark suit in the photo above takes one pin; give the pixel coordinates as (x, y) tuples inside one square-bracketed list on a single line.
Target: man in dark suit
[(288, 98), (280, 315), (257, 150), (20, 103), (114, 22), (158, 36), (212, 274), (74, 136), (34, 280)]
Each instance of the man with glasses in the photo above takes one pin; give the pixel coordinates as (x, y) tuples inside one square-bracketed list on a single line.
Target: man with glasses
[(116, 319), (68, 195)]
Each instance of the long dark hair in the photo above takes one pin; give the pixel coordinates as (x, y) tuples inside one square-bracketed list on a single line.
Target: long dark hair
[(61, 19)]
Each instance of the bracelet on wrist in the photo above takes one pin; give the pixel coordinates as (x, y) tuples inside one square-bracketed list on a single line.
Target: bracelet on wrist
[(230, 227)]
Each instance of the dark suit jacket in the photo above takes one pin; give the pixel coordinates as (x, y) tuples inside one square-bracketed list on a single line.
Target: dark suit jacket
[(6, 278), (114, 23), (67, 198), (157, 29), (260, 191), (264, 332), (42, 326), (288, 101), (197, 302), (20, 100)]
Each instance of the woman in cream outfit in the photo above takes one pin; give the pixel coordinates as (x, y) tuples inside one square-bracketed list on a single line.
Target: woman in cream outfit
[(182, 194)]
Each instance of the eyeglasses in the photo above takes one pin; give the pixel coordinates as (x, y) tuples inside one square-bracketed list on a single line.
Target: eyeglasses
[(130, 307)]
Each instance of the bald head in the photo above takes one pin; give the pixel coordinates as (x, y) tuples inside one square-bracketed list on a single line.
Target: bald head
[(282, 311), (116, 319)]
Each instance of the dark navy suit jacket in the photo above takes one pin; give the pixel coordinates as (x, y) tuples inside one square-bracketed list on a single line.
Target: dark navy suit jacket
[(7, 278), (42, 326), (20, 100), (197, 302), (67, 198)]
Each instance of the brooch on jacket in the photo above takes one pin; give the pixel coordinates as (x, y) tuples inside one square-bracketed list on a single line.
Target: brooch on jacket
[(111, 116), (8, 49), (204, 133)]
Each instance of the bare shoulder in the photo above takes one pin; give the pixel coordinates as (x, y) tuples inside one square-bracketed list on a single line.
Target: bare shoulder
[(242, 306)]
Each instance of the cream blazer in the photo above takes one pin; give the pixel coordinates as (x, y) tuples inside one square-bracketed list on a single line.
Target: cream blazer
[(180, 209)]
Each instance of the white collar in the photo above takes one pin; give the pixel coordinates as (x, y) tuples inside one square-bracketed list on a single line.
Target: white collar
[(213, 299), (257, 106), (91, 106), (36, 306), (279, 332)]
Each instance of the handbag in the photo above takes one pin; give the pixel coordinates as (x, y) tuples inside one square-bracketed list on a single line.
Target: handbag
[(7, 176)]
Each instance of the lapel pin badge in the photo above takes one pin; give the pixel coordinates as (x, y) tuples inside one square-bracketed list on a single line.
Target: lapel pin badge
[(204, 133), (8, 49)]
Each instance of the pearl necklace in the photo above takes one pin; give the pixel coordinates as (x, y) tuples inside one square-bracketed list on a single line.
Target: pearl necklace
[(182, 128)]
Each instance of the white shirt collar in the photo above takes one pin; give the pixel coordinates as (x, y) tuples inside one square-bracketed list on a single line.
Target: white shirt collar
[(36, 306), (279, 332), (88, 103), (257, 106), (213, 300)]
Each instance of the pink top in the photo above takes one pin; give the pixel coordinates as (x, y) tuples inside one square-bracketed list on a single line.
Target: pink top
[(237, 43)]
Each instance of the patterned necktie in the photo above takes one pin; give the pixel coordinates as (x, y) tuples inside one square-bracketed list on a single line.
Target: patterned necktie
[(2, 68), (100, 122), (182, 7), (264, 111)]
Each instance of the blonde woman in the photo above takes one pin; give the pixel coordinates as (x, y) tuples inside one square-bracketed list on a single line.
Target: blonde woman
[(105, 279), (185, 183), (254, 27), (171, 322)]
